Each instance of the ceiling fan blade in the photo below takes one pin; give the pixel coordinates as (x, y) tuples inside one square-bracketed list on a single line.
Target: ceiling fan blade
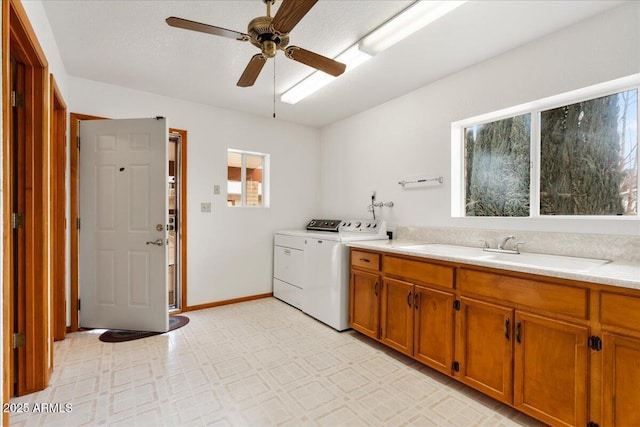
[(290, 13), (316, 61), (205, 28), (250, 74)]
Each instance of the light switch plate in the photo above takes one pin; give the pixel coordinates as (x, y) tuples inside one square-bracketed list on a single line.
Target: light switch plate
[(216, 189), (205, 207)]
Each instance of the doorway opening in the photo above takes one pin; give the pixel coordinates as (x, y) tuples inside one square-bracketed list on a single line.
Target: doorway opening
[(180, 269), (175, 221)]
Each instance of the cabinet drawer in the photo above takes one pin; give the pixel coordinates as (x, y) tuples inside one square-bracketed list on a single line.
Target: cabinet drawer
[(620, 310), (545, 296), (365, 260), (420, 271)]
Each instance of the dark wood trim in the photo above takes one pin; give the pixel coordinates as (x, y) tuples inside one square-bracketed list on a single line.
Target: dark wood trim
[(58, 200), (7, 256), (32, 307), (74, 213), (183, 215), (227, 302)]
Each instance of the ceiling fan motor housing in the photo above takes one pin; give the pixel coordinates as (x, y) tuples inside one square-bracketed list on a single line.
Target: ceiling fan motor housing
[(265, 37)]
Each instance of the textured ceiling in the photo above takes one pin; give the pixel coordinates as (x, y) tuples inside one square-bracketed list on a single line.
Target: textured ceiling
[(128, 43)]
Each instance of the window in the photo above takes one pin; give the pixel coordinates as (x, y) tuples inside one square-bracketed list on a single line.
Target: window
[(574, 154), (497, 167), (589, 157), (247, 178)]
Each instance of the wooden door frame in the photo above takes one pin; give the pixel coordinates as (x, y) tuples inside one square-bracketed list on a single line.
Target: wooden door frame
[(182, 227), (19, 40), (58, 203), (74, 213), (74, 133)]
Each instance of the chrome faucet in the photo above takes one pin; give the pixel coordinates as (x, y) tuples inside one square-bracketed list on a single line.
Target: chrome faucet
[(504, 241)]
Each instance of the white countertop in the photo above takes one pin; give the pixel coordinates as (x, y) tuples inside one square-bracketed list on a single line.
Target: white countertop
[(613, 273)]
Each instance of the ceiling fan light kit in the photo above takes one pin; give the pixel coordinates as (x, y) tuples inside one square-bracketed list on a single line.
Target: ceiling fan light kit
[(269, 34)]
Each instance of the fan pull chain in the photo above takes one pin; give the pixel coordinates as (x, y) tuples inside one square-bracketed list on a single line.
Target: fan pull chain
[(274, 87)]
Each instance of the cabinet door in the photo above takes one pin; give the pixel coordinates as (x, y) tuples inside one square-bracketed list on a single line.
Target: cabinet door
[(364, 302), (621, 380), (433, 336), (484, 351), (397, 315), (550, 369)]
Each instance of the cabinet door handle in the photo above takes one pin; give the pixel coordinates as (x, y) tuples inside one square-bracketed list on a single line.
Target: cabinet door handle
[(375, 288), (364, 260), (518, 327), (506, 329), (409, 299), (415, 300)]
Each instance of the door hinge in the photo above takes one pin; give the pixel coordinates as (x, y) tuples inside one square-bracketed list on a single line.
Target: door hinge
[(78, 223), (592, 424), (78, 304), (17, 99), (595, 343), (18, 339), (456, 366), (456, 305), (78, 141), (17, 220)]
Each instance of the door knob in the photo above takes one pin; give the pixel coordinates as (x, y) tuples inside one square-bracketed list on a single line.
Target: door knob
[(157, 242)]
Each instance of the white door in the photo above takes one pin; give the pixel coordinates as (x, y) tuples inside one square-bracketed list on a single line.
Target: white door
[(123, 276)]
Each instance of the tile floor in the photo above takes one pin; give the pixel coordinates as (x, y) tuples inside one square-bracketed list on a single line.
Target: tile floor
[(257, 363)]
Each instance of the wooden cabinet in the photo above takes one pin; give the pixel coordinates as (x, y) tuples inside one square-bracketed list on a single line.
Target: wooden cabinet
[(391, 301), (621, 380), (523, 339), (433, 328), (620, 317), (548, 356), (484, 350), (397, 315), (550, 369), (364, 302)]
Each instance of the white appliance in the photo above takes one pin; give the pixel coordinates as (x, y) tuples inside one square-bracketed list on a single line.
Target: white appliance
[(311, 267)]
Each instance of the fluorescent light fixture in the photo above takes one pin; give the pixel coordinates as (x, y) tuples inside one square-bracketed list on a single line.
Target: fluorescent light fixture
[(352, 57), (407, 22)]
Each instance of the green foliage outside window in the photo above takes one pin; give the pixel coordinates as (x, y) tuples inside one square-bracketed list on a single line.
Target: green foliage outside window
[(587, 167), (588, 161), (497, 158)]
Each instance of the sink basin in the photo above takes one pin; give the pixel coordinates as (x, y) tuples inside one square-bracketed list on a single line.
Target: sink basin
[(449, 250), (554, 262)]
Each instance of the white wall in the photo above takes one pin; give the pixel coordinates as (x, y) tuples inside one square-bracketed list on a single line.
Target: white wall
[(40, 24), (411, 135), (230, 249)]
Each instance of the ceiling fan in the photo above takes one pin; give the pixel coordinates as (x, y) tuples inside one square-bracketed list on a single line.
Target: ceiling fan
[(269, 34)]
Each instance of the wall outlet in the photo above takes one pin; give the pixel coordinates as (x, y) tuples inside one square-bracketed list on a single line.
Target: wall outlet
[(216, 189), (205, 207)]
